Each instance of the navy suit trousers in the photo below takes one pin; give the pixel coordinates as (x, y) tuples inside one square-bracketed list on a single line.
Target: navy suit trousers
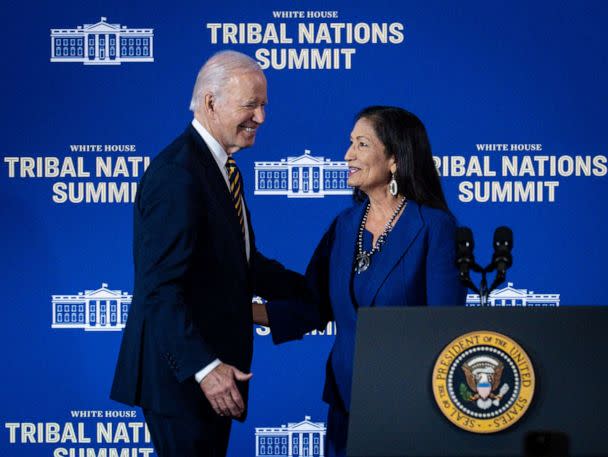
[(188, 436)]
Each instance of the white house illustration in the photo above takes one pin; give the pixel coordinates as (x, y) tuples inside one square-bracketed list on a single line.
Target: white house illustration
[(92, 310), (304, 176), (509, 296), (301, 439), (102, 43)]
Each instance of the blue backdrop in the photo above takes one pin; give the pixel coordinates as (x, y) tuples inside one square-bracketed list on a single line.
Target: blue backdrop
[(517, 88)]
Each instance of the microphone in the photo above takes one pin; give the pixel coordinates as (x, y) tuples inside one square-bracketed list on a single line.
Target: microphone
[(464, 251), (503, 243), (501, 259)]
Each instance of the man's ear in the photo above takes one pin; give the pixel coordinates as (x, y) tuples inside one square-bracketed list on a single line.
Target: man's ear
[(209, 104)]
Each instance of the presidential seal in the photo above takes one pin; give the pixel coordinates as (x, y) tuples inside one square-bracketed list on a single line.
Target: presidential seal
[(483, 382)]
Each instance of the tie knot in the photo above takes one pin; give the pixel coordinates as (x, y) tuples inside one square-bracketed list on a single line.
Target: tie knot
[(230, 163)]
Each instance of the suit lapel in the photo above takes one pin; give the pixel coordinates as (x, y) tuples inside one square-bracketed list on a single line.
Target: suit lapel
[(344, 258), (396, 246), (221, 198)]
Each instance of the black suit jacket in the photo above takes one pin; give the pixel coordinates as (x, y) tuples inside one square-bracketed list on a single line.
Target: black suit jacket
[(193, 284)]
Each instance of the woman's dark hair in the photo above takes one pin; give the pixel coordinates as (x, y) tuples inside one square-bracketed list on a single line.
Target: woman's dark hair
[(405, 138)]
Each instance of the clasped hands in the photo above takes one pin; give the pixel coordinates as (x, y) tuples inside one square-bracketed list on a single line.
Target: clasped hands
[(219, 387)]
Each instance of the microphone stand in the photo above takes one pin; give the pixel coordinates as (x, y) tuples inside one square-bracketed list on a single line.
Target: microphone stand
[(483, 291), (465, 278)]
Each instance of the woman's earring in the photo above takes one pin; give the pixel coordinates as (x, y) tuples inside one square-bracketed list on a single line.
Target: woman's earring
[(392, 186)]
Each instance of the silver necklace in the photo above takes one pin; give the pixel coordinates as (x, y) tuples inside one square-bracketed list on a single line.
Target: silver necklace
[(364, 258)]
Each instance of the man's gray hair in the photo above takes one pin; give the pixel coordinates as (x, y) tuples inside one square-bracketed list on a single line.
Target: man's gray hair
[(216, 72)]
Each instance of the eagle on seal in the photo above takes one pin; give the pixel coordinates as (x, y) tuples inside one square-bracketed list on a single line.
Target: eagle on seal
[(483, 374)]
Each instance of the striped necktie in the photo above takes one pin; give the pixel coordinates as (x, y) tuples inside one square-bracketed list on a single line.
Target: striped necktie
[(236, 190)]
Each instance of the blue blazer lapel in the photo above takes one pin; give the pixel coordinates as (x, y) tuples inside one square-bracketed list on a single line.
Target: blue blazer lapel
[(343, 255), (396, 246)]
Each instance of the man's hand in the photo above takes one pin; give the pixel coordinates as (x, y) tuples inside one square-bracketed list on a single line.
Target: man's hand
[(260, 315), (220, 389)]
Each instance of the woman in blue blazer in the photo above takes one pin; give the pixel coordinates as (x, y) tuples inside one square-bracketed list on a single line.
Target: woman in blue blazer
[(394, 247)]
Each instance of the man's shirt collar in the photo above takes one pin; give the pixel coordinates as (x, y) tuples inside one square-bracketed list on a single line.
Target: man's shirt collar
[(216, 149)]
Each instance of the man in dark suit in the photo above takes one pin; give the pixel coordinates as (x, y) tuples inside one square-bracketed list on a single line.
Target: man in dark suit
[(187, 346)]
